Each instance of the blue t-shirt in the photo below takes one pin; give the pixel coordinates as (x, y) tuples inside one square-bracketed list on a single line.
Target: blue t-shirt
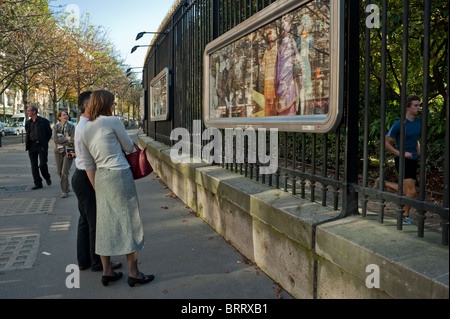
[(413, 130)]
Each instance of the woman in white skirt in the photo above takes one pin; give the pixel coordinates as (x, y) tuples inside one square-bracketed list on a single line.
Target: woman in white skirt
[(119, 229)]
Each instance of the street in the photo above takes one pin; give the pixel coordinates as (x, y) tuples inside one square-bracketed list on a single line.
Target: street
[(38, 233), (13, 139)]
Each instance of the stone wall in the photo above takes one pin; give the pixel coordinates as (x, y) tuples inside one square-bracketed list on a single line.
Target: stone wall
[(303, 246)]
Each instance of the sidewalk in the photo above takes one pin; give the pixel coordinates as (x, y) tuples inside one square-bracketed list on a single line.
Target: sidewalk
[(38, 232)]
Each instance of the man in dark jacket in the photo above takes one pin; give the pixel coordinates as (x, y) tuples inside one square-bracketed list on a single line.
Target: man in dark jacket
[(38, 134)]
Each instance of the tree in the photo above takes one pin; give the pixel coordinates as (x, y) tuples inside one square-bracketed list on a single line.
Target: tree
[(38, 49), (54, 75), (26, 37), (437, 97)]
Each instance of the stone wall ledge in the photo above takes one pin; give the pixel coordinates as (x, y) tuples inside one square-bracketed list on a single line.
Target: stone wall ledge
[(300, 244)]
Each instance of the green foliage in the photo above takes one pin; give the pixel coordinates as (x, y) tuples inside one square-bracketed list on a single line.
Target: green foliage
[(438, 87)]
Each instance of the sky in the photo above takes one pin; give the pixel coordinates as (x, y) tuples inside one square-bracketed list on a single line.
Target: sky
[(123, 20)]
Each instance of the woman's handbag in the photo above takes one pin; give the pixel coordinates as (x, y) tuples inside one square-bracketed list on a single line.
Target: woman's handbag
[(140, 167), (70, 152)]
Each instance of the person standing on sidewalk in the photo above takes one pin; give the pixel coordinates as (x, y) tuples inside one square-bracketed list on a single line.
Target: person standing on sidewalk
[(85, 193), (63, 136), (412, 150), (119, 227), (38, 134)]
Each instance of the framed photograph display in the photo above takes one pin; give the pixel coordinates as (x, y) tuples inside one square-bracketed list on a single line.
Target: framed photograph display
[(159, 96), (281, 68)]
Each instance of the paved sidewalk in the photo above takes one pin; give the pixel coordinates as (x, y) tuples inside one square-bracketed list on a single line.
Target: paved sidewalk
[(38, 231)]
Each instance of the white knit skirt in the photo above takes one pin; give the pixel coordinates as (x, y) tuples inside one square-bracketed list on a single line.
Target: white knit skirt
[(119, 229)]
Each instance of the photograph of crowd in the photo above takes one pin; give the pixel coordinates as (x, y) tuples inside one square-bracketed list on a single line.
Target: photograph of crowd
[(159, 97), (281, 69)]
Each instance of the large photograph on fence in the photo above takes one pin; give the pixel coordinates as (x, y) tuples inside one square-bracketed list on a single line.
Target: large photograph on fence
[(282, 73), (159, 96)]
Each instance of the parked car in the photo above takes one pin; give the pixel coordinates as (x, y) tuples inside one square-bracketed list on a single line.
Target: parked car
[(2, 128), (15, 129), (19, 118)]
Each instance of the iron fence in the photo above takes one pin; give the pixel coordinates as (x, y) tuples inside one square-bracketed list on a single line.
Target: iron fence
[(336, 168)]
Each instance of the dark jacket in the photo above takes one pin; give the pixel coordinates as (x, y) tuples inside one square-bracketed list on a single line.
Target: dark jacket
[(44, 132)]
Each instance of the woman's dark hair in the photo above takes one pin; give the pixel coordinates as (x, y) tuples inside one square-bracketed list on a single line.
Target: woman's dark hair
[(60, 113)]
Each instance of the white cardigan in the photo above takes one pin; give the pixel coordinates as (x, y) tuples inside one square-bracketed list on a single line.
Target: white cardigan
[(103, 143)]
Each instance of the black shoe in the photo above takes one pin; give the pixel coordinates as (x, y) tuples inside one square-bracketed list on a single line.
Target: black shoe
[(49, 181), (145, 279), (36, 187), (107, 279)]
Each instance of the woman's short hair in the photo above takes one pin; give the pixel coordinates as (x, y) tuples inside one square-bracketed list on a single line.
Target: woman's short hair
[(60, 113), (100, 103)]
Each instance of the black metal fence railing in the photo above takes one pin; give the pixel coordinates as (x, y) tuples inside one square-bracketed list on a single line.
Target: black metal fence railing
[(347, 168)]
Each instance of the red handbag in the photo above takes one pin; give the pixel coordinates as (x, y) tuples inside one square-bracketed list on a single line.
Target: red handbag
[(140, 167)]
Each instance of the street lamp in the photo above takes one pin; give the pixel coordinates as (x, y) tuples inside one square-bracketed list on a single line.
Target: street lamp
[(140, 34), (136, 67), (137, 46), (129, 73)]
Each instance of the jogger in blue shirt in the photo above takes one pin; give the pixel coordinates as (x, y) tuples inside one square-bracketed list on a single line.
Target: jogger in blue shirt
[(412, 150)]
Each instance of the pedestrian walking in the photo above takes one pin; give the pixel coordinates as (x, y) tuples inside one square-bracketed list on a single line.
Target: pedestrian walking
[(63, 136), (82, 187), (119, 228), (38, 134)]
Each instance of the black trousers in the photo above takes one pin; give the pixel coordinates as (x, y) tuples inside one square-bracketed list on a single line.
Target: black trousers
[(85, 193), (38, 154)]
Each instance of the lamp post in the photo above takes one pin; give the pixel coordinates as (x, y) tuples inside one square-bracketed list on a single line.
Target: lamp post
[(129, 73), (137, 46), (136, 67), (140, 34)]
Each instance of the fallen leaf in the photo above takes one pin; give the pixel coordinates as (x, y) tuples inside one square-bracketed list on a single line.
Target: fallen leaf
[(164, 207), (278, 290), (226, 271), (164, 291), (172, 194)]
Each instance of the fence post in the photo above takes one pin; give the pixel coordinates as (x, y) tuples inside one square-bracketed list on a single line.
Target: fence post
[(444, 223), (215, 19), (350, 196)]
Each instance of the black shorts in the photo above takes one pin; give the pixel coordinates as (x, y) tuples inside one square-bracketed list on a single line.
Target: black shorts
[(410, 167)]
